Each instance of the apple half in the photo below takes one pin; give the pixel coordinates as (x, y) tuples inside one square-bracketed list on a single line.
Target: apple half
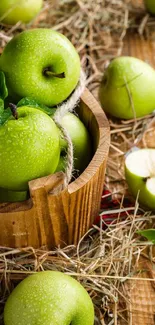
[(140, 176)]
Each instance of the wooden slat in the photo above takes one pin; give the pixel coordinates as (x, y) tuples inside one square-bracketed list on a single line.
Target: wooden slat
[(141, 294), (140, 48), (54, 216)]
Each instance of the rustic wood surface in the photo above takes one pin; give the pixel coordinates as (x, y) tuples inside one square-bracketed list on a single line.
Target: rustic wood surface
[(148, 137), (140, 293), (140, 48), (55, 215)]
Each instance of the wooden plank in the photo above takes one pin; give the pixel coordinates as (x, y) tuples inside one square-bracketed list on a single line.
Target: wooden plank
[(141, 294), (140, 48)]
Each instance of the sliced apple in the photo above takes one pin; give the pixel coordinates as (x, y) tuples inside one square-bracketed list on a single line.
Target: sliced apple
[(140, 176)]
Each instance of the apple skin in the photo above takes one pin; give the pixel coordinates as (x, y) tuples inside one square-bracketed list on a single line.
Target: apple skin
[(81, 143), (137, 186), (49, 298), (12, 196), (29, 148), (26, 58), (12, 11), (150, 6), (113, 94)]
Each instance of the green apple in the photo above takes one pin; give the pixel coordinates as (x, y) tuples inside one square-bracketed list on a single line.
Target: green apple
[(127, 89), (49, 298), (81, 143), (150, 6), (41, 64), (29, 148), (140, 176), (12, 11), (12, 196)]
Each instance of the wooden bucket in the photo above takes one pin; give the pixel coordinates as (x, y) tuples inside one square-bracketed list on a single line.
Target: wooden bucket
[(54, 215)]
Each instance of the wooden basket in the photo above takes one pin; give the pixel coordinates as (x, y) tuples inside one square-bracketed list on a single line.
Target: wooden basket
[(54, 215)]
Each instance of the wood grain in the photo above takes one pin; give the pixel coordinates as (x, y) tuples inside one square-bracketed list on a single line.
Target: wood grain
[(140, 48), (55, 215), (140, 293)]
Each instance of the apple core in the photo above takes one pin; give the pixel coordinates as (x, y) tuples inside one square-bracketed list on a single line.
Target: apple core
[(140, 176)]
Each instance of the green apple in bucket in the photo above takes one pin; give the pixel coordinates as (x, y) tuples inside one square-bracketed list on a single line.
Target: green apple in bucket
[(82, 144), (49, 298), (127, 89), (12, 196), (140, 176), (29, 148), (41, 64), (12, 11)]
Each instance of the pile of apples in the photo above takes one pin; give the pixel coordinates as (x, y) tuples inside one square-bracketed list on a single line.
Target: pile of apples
[(39, 69), (127, 91)]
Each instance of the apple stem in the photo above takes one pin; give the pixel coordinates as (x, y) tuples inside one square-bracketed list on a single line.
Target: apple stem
[(50, 73), (13, 108)]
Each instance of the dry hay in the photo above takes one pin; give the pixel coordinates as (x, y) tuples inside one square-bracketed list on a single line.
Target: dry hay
[(108, 255), (103, 262)]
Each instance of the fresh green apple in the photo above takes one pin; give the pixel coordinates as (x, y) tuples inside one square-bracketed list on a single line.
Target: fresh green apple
[(150, 6), (41, 64), (29, 148), (12, 196), (49, 298), (127, 89), (81, 143), (140, 176), (12, 11)]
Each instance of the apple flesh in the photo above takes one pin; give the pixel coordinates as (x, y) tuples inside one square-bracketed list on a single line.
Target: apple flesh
[(12, 11), (81, 143), (41, 64), (49, 298), (12, 196), (127, 89), (140, 176), (150, 6), (29, 148)]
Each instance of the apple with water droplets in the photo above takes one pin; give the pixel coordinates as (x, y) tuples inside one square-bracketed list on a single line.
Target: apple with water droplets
[(82, 144), (12, 11), (29, 148), (42, 64), (49, 298)]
